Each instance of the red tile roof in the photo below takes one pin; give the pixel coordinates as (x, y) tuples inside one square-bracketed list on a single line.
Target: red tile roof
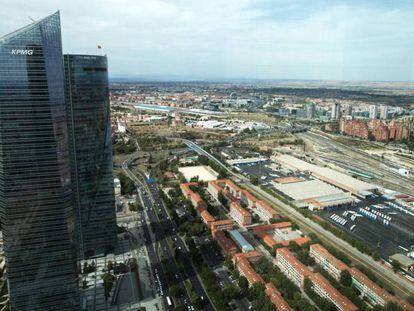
[(344, 303), (245, 267), (276, 297), (297, 265), (239, 209), (327, 255)]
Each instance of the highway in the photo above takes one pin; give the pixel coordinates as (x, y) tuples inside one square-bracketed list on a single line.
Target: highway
[(150, 197), (401, 286)]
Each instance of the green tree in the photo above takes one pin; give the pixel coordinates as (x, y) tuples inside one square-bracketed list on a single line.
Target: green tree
[(254, 180), (110, 265), (346, 278), (243, 283), (396, 266), (175, 291)]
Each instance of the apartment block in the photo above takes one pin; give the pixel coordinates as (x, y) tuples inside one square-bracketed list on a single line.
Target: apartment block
[(244, 267), (276, 298), (194, 197), (373, 292), (248, 199), (370, 290), (207, 218), (252, 256), (240, 215), (265, 211), (214, 188), (292, 267), (226, 224), (323, 288), (228, 247), (327, 261)]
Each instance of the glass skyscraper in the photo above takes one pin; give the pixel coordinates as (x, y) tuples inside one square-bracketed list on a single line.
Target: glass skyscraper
[(90, 142), (37, 217)]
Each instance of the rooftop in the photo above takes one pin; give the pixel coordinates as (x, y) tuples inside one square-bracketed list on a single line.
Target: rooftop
[(327, 255), (203, 172), (236, 205), (297, 265), (339, 179), (332, 292), (307, 189), (241, 241), (276, 297), (404, 260)]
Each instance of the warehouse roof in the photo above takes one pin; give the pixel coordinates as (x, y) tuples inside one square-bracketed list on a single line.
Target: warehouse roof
[(329, 175), (308, 189)]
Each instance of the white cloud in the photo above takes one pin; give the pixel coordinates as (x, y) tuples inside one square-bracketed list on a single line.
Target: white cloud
[(234, 38)]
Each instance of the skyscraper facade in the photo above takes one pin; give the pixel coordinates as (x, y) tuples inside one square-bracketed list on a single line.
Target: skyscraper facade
[(373, 112), (336, 111), (384, 112), (35, 182), (90, 142)]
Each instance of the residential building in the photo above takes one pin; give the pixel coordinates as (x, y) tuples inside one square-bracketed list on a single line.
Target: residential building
[(376, 129), (310, 110), (336, 111), (323, 288), (248, 199), (292, 267), (240, 215), (90, 143), (373, 111), (383, 112), (37, 217), (207, 218), (226, 224), (214, 188), (252, 256), (265, 211), (327, 261), (245, 268), (228, 247), (196, 200), (370, 290), (276, 298)]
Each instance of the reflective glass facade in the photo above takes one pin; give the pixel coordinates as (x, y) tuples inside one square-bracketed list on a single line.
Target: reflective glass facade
[(90, 143), (35, 182)]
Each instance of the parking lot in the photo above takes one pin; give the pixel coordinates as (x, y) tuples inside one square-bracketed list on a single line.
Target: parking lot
[(373, 221), (391, 233)]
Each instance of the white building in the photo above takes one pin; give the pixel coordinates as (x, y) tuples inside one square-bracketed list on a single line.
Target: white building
[(336, 111), (384, 112), (373, 112), (117, 186)]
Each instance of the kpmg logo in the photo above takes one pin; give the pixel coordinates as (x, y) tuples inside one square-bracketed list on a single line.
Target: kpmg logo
[(22, 52)]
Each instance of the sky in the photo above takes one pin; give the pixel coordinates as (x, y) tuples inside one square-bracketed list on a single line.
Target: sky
[(369, 40)]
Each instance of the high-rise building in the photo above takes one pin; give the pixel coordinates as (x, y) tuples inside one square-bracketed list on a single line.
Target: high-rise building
[(336, 111), (373, 112), (384, 112), (310, 110), (90, 142), (35, 182)]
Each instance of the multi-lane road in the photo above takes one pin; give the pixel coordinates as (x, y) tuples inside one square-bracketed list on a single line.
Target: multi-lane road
[(401, 286), (149, 194)]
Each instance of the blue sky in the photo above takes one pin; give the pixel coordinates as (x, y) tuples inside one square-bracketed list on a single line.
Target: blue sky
[(221, 39)]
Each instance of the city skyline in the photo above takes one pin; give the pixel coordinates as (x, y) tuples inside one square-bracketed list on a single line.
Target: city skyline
[(338, 40)]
